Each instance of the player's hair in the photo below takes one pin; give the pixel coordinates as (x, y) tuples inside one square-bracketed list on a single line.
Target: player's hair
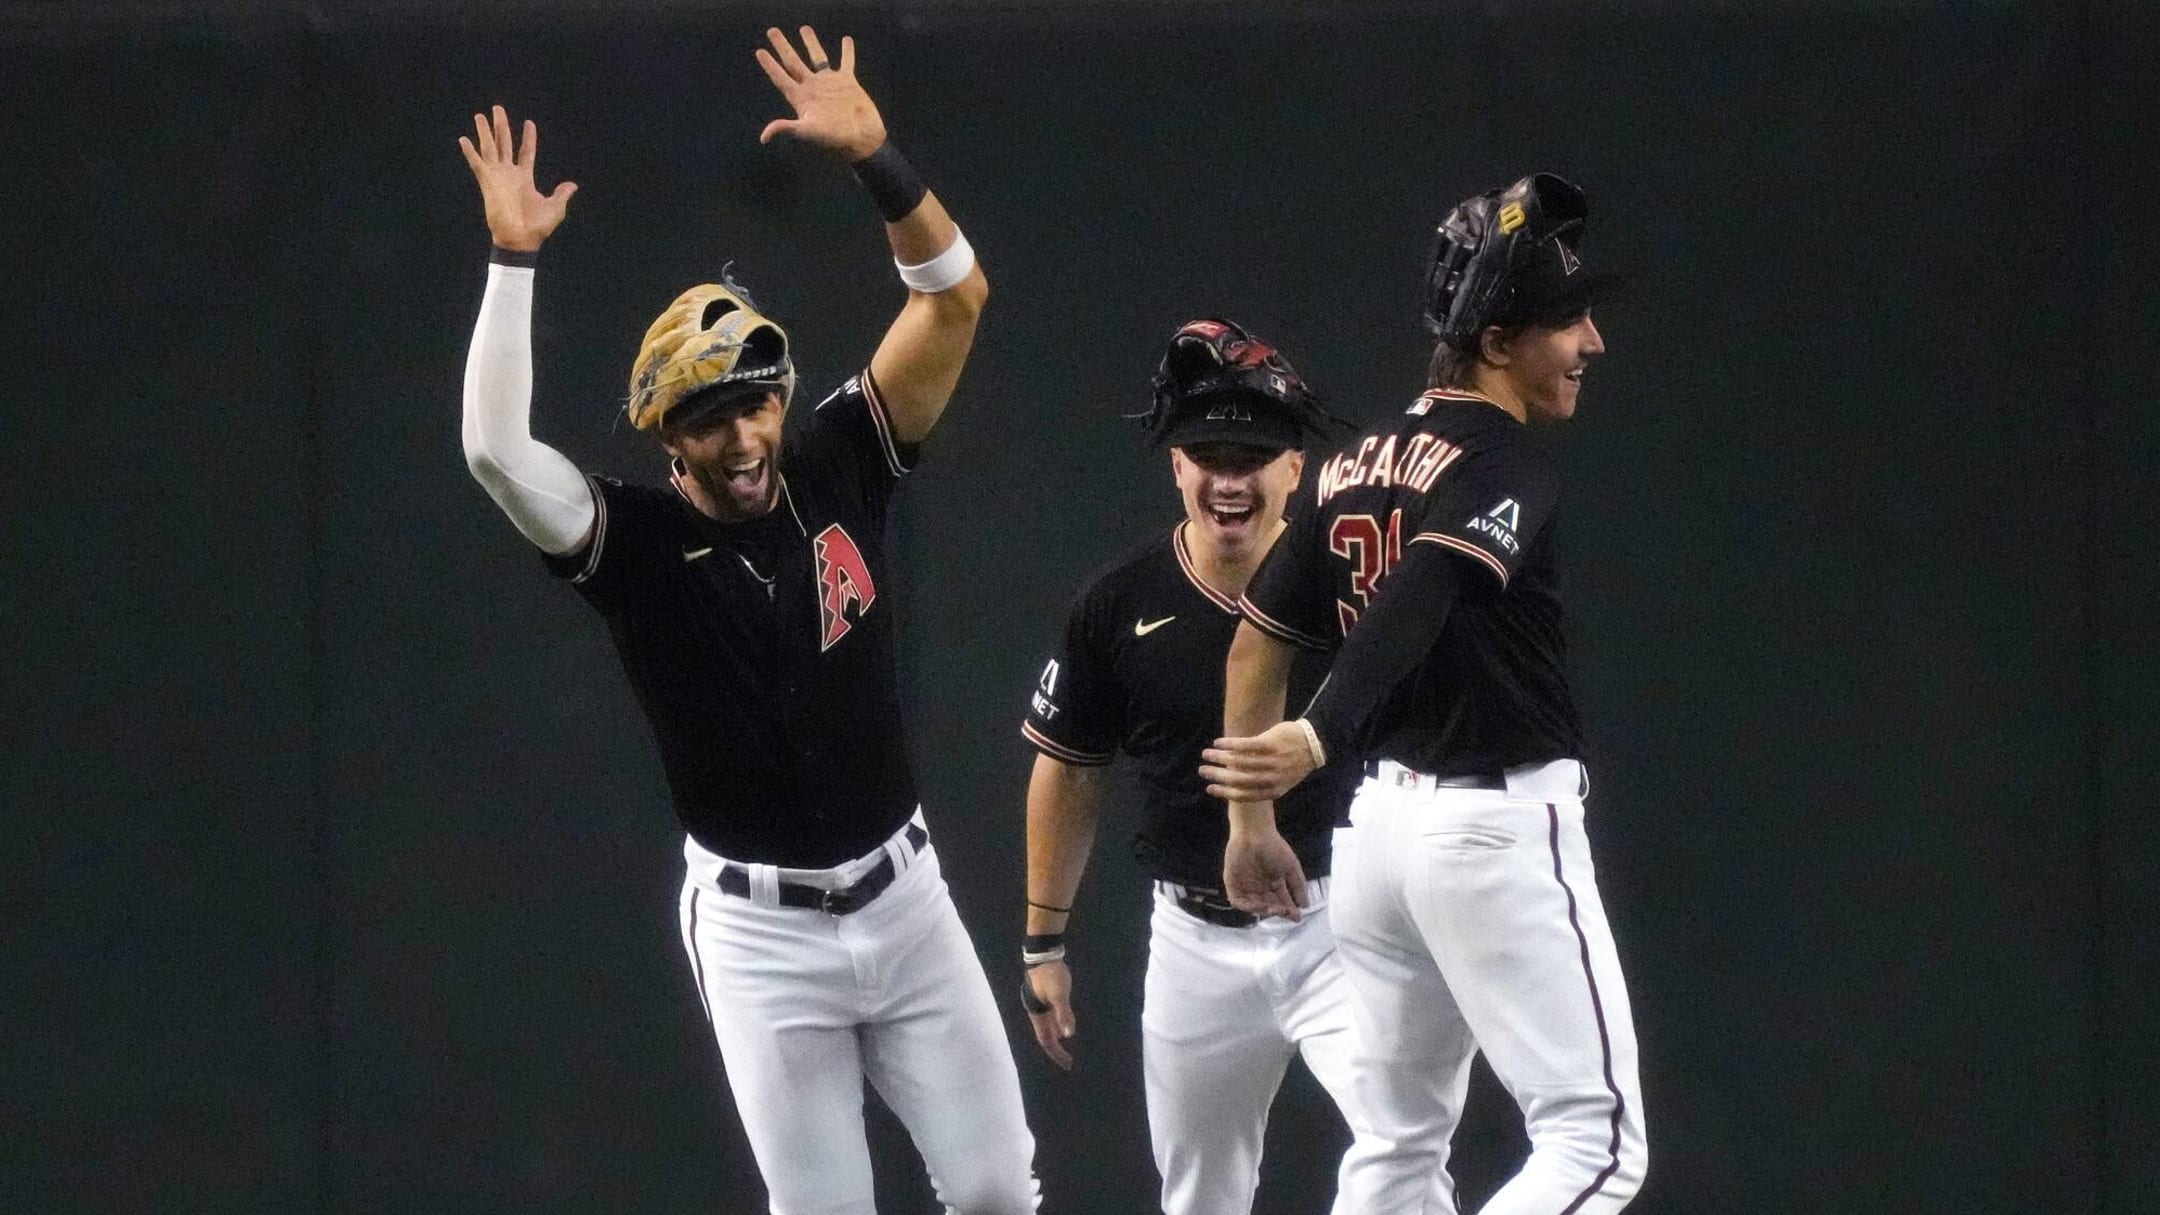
[(1453, 366)]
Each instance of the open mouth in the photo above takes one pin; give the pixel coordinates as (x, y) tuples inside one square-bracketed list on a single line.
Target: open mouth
[(746, 480), (1231, 516), (1575, 376)]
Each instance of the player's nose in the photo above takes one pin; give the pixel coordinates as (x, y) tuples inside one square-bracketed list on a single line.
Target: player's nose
[(1593, 341)]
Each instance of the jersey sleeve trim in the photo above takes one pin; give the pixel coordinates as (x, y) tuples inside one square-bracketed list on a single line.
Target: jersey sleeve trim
[(1464, 546), (1059, 751), (882, 419), (599, 534), (1277, 629)]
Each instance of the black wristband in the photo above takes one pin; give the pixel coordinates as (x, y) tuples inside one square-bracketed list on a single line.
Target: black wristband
[(891, 181), (527, 258), (1041, 942), (1047, 907)]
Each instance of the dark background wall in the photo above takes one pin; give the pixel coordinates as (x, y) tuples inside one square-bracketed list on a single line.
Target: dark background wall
[(338, 866)]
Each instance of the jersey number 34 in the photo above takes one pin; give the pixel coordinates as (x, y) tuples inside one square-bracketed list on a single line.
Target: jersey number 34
[(1371, 553)]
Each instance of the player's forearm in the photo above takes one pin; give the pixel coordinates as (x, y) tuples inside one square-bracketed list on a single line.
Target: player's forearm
[(1064, 804), (935, 260), (1393, 636), (1256, 681), (539, 488)]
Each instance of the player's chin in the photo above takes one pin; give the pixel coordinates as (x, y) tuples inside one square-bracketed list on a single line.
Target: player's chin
[(1559, 404)]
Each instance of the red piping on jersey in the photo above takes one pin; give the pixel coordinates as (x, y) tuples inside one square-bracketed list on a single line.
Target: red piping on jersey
[(1059, 751), (599, 535), (1597, 1009), (1466, 547), (883, 421), (1277, 629), (1192, 573)]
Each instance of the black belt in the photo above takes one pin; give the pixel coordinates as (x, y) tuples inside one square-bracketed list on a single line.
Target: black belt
[(1467, 780), (1215, 909), (735, 880)]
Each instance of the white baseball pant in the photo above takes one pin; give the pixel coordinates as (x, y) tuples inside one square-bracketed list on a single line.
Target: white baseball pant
[(1469, 919), (805, 1005), (1225, 1009)]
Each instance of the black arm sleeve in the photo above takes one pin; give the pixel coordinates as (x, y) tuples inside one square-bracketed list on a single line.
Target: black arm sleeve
[(1386, 644)]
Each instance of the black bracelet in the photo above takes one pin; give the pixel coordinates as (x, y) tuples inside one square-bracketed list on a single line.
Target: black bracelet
[(527, 258), (891, 181), (1047, 907), (1041, 942)]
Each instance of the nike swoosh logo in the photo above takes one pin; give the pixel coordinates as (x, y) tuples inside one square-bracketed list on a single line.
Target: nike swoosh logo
[(690, 555), (1143, 628)]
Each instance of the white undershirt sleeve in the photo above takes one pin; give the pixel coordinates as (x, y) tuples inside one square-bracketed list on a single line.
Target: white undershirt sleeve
[(537, 486)]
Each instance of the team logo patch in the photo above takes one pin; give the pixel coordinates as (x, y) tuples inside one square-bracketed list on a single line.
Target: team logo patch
[(1229, 411), (843, 577)]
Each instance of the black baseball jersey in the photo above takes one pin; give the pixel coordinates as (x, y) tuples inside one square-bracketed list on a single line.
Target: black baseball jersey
[(1141, 669), (763, 652), (1457, 473)]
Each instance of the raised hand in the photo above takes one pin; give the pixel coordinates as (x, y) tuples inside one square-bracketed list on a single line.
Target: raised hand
[(831, 108), (519, 216)]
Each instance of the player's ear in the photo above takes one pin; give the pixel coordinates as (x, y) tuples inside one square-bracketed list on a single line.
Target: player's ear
[(1297, 469), (1493, 346)]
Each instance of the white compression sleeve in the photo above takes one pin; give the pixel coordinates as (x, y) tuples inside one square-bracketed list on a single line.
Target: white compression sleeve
[(537, 486)]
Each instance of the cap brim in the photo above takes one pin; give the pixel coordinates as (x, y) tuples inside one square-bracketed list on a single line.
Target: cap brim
[(715, 397), (1582, 293), (1277, 434)]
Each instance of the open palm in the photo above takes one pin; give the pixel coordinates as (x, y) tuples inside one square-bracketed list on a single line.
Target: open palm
[(831, 108), (519, 216)]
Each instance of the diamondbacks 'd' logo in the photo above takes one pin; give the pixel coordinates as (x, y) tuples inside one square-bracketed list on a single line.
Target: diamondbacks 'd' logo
[(1568, 261), (843, 575)]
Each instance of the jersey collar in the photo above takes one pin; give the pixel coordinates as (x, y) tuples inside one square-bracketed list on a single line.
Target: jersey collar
[(1192, 572)]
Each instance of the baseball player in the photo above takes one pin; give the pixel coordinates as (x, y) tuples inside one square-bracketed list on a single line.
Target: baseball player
[(749, 599), (1229, 998), (1465, 903)]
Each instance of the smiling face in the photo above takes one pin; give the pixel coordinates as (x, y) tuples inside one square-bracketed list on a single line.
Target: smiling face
[(1235, 493), (1541, 366), (732, 452)]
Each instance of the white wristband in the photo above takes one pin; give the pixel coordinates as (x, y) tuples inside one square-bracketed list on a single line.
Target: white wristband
[(1312, 743), (941, 273)]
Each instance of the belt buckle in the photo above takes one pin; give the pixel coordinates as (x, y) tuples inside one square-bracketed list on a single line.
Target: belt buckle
[(838, 902)]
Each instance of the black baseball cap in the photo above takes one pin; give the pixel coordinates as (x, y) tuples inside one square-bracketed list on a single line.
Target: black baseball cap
[(1233, 416), (1552, 286)]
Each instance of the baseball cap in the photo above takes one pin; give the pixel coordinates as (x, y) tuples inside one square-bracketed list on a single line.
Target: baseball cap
[(1232, 416), (1552, 285)]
